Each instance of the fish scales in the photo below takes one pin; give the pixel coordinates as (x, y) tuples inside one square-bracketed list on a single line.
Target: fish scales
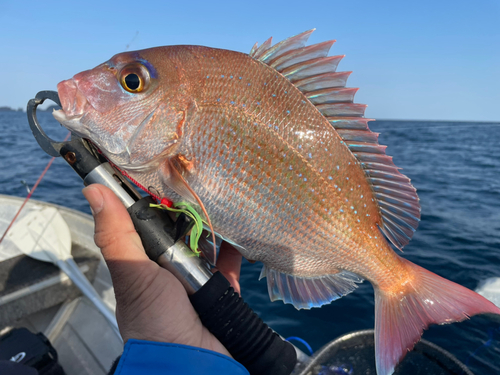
[(246, 146), (240, 122)]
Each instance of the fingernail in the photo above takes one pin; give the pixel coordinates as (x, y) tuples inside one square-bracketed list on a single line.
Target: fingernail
[(95, 199)]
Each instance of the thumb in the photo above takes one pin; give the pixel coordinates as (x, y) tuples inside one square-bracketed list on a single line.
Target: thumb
[(115, 235)]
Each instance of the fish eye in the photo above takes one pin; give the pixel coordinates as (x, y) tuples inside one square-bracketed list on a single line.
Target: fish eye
[(132, 81), (134, 78)]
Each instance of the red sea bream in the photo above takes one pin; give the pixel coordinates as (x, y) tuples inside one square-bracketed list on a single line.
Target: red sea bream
[(272, 149)]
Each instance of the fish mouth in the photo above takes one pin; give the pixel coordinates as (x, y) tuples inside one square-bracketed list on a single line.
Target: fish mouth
[(74, 105), (73, 102)]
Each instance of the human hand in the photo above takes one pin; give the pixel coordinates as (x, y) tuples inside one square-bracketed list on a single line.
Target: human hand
[(151, 304)]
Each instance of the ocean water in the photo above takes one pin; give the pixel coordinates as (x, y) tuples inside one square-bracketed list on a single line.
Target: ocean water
[(455, 167)]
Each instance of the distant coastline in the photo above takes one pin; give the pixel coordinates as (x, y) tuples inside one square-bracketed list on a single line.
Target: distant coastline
[(10, 109)]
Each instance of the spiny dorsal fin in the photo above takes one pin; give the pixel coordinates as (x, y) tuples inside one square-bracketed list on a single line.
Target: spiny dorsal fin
[(314, 73)]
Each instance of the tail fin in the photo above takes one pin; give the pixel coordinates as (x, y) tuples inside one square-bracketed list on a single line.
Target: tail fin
[(401, 318)]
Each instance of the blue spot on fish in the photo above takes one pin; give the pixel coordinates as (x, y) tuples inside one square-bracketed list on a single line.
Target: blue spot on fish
[(305, 179), (230, 76), (148, 65), (222, 75), (330, 177)]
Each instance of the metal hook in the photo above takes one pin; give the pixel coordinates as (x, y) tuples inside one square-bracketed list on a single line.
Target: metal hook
[(47, 144)]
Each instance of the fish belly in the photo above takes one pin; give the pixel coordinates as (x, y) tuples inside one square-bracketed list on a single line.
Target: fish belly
[(300, 215)]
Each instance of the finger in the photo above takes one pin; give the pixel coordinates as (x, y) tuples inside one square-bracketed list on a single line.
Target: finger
[(229, 263), (115, 235)]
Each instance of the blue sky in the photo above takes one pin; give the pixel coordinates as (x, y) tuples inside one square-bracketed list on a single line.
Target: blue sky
[(411, 60)]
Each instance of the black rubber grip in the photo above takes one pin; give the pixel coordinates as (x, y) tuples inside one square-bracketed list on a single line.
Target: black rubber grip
[(249, 340), (155, 227)]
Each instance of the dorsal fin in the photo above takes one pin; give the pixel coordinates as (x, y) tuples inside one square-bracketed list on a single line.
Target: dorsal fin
[(314, 73)]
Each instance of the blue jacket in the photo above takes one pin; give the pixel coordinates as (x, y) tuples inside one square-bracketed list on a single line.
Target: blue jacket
[(159, 358)]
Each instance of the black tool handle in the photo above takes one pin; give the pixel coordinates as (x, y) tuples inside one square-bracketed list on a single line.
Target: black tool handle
[(249, 340), (155, 227)]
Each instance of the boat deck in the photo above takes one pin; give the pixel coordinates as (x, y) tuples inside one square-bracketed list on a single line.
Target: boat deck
[(38, 296)]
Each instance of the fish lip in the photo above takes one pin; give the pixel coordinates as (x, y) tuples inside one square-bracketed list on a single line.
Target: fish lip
[(74, 104), (62, 116), (73, 124)]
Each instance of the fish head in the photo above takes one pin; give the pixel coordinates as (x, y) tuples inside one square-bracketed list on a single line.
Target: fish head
[(128, 107)]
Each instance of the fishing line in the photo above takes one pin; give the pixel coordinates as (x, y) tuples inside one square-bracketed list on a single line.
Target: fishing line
[(186, 209), (30, 193)]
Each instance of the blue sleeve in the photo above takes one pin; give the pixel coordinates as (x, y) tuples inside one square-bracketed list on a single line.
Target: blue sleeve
[(159, 358)]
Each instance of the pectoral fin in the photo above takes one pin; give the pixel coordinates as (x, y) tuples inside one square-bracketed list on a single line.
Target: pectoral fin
[(174, 170)]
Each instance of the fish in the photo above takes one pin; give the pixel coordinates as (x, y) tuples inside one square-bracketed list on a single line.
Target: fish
[(273, 151)]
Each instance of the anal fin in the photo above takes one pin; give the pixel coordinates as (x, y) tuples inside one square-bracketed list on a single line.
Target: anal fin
[(307, 292)]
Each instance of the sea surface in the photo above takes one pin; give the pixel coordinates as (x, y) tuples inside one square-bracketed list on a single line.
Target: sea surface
[(455, 167)]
